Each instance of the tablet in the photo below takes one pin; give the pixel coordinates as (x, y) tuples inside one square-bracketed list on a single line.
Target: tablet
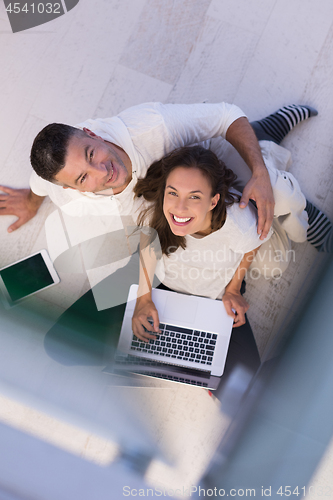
[(26, 277)]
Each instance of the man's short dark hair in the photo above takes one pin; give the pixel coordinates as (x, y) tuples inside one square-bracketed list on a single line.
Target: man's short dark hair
[(49, 149)]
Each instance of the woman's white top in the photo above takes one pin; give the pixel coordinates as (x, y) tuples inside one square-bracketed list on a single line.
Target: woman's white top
[(208, 263)]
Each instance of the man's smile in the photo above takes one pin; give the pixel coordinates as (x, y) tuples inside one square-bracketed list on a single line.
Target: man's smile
[(112, 175)]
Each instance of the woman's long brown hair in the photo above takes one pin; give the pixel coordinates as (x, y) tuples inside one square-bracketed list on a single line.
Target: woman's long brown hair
[(152, 188)]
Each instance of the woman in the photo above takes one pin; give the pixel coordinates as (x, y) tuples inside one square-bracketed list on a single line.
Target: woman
[(207, 241)]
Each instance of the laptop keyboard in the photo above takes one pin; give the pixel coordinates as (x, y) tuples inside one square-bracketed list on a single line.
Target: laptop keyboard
[(179, 343), (129, 361)]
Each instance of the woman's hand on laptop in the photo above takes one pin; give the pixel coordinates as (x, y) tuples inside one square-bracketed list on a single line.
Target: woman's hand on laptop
[(144, 309), (235, 305)]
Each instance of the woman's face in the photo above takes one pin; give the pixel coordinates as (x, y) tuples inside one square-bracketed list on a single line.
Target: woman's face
[(188, 202)]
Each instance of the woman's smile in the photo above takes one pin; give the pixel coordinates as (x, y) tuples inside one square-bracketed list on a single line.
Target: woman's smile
[(181, 220), (188, 201)]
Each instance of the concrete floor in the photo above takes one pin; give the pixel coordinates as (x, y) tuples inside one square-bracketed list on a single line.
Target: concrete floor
[(101, 58)]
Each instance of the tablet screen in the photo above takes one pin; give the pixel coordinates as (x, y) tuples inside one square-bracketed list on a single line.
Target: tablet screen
[(26, 277)]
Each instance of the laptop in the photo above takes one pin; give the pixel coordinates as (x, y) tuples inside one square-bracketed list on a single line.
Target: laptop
[(192, 346)]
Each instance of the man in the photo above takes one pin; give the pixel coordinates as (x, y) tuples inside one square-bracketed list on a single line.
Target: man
[(102, 158), (121, 149)]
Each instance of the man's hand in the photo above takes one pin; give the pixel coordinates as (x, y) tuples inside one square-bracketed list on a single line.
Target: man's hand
[(144, 309), (241, 135), (236, 306), (20, 202), (260, 190)]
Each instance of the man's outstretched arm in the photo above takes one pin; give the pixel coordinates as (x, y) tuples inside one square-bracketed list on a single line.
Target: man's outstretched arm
[(241, 135), (20, 202)]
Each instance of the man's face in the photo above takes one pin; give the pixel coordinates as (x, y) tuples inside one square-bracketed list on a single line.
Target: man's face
[(93, 165)]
